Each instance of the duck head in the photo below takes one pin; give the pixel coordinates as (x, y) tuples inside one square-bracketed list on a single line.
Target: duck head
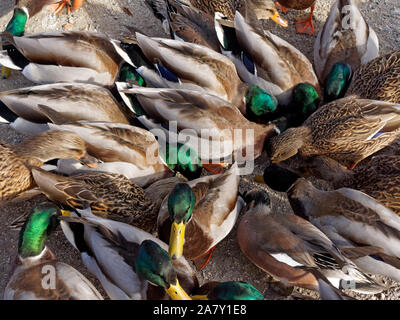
[(40, 223), (181, 202), (337, 81), (154, 264)]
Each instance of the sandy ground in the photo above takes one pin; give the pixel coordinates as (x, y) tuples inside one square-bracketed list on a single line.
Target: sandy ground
[(108, 16)]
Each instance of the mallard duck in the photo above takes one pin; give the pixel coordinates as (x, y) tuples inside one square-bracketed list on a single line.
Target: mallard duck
[(73, 101), (109, 195), (123, 257), (301, 5), (16, 161), (65, 56), (378, 177), (215, 74), (378, 79), (353, 221), (37, 274), (197, 215), (268, 61), (124, 149), (181, 21), (230, 290), (132, 151), (193, 24), (344, 44), (347, 130), (251, 9), (286, 246), (23, 10), (203, 116)]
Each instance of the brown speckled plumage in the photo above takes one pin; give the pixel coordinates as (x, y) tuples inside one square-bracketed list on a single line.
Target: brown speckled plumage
[(297, 4), (16, 161), (344, 130), (109, 196), (378, 79), (378, 176)]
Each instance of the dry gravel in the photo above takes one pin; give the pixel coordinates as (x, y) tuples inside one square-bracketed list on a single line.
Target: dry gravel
[(108, 16)]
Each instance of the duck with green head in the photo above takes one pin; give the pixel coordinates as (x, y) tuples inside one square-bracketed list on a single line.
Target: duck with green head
[(154, 264), (16, 26), (181, 202), (26, 9), (197, 215), (345, 43), (198, 119), (181, 158), (266, 60), (27, 277), (130, 263), (305, 102), (337, 81), (215, 74)]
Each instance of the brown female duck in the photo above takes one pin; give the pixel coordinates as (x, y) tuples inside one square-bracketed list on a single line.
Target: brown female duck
[(347, 130), (378, 79), (109, 195), (17, 161), (286, 246), (258, 9), (65, 56)]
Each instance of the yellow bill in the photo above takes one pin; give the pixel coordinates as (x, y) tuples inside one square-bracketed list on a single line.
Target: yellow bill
[(176, 240), (176, 292), (277, 18), (65, 213)]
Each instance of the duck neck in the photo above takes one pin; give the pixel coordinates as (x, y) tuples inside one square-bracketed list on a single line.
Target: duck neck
[(17, 24), (32, 240)]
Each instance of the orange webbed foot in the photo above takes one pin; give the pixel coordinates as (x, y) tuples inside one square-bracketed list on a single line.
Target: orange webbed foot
[(59, 6), (307, 25), (209, 253), (77, 4)]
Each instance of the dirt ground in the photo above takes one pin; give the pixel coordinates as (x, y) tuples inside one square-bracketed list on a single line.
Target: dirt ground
[(108, 16)]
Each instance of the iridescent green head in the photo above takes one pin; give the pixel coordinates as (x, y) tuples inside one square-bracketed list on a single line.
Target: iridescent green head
[(235, 290), (181, 202), (181, 158), (127, 72), (306, 99), (260, 103), (154, 264), (17, 24), (337, 81), (41, 222)]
